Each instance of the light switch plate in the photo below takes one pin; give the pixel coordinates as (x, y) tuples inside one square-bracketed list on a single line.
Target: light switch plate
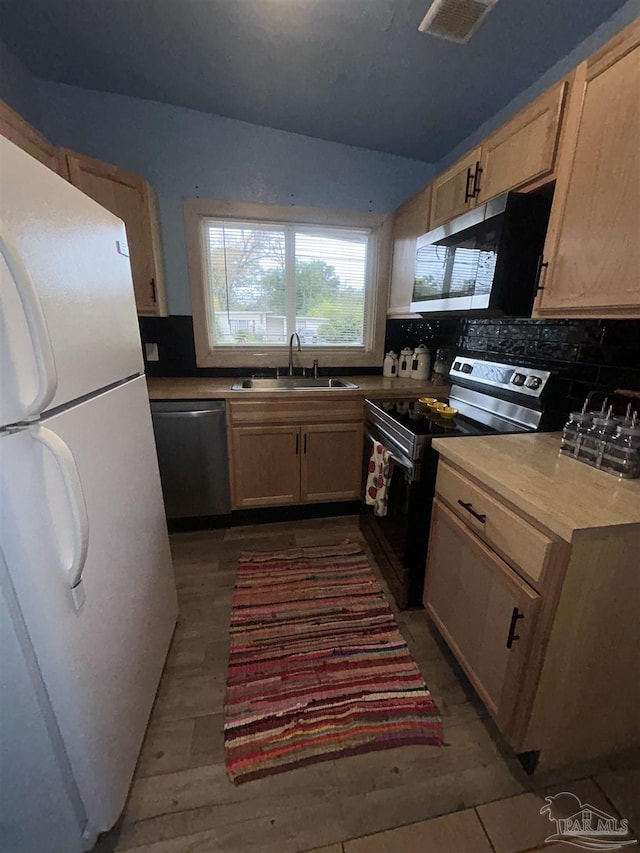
[(151, 352)]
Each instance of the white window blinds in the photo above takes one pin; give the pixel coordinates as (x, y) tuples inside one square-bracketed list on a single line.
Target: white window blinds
[(267, 281)]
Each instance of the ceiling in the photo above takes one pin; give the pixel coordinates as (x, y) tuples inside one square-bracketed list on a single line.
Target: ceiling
[(350, 71)]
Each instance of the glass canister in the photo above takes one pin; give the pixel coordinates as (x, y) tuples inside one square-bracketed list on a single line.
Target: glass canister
[(622, 453), (573, 432), (592, 447)]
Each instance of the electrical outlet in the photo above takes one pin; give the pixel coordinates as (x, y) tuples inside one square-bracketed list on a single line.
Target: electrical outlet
[(151, 352)]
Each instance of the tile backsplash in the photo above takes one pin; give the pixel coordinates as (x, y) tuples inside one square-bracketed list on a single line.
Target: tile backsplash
[(177, 352), (434, 333), (586, 355)]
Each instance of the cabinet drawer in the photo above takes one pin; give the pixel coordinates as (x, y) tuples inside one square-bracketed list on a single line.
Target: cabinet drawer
[(294, 410), (521, 544)]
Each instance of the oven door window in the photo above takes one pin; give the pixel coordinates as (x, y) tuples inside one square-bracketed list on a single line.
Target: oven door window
[(395, 523)]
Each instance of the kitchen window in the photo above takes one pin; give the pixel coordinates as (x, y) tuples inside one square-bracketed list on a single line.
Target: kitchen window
[(259, 273)]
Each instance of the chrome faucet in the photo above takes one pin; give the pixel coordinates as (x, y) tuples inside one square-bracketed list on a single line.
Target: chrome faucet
[(294, 335)]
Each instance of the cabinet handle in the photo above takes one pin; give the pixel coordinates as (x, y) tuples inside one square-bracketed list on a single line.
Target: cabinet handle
[(476, 180), (468, 191), (305, 444), (152, 284), (542, 264), (297, 443), (469, 508), (512, 627)]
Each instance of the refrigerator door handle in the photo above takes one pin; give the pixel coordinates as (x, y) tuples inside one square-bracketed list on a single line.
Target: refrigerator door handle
[(75, 496), (36, 324)]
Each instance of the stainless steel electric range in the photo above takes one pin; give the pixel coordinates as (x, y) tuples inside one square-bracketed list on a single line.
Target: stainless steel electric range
[(491, 399)]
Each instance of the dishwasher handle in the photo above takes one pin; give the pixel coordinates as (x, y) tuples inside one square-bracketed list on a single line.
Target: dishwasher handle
[(189, 414)]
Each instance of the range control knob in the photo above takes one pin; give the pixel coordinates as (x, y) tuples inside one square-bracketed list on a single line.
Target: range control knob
[(457, 365), (533, 382), (518, 378), (467, 368)]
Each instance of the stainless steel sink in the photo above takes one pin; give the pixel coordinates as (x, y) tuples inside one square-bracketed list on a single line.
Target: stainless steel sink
[(293, 383)]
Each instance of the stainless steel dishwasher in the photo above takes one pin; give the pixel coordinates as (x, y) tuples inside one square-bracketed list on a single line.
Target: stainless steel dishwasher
[(191, 438)]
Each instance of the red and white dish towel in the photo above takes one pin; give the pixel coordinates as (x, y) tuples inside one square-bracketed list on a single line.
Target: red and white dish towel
[(378, 479)]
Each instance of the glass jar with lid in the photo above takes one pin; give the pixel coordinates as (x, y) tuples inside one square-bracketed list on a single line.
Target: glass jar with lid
[(592, 447), (622, 452), (574, 431)]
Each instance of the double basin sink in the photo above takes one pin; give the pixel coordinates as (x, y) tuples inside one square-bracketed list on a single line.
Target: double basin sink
[(293, 383)]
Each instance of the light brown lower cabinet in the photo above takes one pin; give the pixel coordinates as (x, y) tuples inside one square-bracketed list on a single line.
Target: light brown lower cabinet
[(482, 608), (546, 629), (330, 462), (282, 461), (266, 465)]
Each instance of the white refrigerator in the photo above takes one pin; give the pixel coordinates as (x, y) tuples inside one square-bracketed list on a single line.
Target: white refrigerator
[(87, 595)]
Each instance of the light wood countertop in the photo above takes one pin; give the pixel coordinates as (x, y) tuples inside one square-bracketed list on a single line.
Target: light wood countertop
[(561, 494), (197, 388)]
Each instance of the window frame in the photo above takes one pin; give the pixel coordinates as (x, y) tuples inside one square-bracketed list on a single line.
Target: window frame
[(208, 355)]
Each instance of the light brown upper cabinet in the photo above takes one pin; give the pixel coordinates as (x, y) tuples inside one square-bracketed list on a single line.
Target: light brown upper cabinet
[(452, 191), (130, 198), (519, 153), (524, 149), (593, 242), (25, 136), (410, 220)]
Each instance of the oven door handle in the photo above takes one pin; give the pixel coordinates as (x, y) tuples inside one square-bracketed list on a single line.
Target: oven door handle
[(398, 458)]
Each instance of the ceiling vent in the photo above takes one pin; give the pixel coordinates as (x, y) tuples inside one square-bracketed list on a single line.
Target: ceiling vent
[(455, 20)]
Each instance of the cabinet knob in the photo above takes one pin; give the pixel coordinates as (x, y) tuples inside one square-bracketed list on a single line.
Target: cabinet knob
[(468, 190), (476, 180), (469, 508), (512, 636), (542, 265)]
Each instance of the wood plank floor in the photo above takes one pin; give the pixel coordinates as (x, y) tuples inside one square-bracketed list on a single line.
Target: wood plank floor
[(181, 799)]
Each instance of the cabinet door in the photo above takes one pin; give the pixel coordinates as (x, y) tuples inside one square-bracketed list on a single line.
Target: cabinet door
[(265, 465), (331, 462), (483, 610), (410, 221), (524, 149), (25, 136), (452, 191), (593, 245), (131, 199)]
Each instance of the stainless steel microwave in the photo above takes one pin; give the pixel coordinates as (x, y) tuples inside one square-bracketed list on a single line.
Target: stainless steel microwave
[(484, 262)]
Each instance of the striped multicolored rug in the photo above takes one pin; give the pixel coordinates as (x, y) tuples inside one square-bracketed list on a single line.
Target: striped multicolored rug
[(317, 666)]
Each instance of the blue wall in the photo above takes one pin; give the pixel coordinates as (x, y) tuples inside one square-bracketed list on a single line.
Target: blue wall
[(184, 153), (618, 21), (18, 87)]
